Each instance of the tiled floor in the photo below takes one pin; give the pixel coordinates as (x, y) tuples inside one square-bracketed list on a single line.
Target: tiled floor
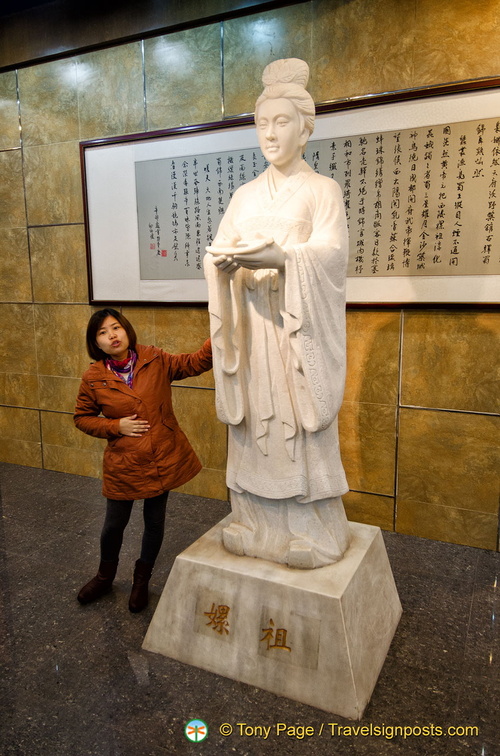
[(75, 681)]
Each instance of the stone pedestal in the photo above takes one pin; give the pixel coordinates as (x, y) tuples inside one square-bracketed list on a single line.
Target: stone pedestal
[(316, 636)]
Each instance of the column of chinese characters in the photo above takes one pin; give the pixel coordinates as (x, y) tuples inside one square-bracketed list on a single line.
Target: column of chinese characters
[(255, 164), (315, 161), (208, 203), (333, 167), (242, 176), (457, 223), (395, 206), (231, 186), (199, 241), (377, 218), (362, 193), (220, 188), (152, 244), (157, 230), (479, 159), (490, 219), (492, 195), (442, 197), (424, 226), (413, 159), (347, 177), (187, 214), (174, 215)]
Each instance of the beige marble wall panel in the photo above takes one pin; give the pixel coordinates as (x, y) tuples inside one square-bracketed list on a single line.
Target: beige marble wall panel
[(15, 273), (368, 446), (183, 78), (143, 322), (111, 91), (17, 345), (370, 509), (456, 40), (250, 43), (449, 360), (58, 394), (19, 389), (60, 339), (9, 115), (12, 212), (20, 437), (67, 449), (195, 411), (183, 329), (20, 452), (361, 47), (72, 461), (49, 102), (59, 264), (53, 184), (449, 459), (372, 356), (19, 424), (58, 429), (449, 524)]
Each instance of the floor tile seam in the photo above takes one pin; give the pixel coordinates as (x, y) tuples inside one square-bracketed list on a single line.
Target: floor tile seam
[(404, 563), (399, 654), (446, 583), (471, 605), (410, 579)]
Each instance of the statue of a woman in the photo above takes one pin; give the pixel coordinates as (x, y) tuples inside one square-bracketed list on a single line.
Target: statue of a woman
[(276, 276)]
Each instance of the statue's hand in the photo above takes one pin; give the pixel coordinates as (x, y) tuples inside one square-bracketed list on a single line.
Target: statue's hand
[(222, 254), (229, 255), (225, 263), (267, 254)]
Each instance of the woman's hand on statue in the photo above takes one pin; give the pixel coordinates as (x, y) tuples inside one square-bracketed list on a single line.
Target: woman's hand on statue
[(131, 426)]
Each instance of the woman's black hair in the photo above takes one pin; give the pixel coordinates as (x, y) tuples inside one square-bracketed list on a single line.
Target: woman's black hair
[(96, 322)]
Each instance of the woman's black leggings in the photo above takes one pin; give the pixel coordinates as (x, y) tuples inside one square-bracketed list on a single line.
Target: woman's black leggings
[(117, 517)]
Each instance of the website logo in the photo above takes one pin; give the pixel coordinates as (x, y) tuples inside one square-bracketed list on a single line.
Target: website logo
[(196, 730)]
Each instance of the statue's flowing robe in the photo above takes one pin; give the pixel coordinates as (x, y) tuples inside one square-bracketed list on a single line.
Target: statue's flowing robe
[(278, 339)]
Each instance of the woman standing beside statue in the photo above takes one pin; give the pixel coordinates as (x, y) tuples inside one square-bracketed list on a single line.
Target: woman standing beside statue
[(276, 277), (125, 397)]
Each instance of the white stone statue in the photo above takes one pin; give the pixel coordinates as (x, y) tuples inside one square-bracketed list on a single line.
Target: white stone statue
[(276, 277)]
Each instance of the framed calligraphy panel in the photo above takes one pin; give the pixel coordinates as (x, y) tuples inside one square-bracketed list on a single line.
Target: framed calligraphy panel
[(420, 183)]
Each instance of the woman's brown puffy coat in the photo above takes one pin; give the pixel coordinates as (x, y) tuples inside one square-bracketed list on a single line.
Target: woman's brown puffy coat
[(162, 458)]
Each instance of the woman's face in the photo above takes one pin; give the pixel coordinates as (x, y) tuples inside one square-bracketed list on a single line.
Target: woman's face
[(112, 339), (281, 132)]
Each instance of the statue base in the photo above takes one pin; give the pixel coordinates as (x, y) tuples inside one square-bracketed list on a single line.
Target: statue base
[(318, 636)]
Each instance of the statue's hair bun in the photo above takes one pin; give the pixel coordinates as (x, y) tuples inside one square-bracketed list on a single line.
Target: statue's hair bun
[(286, 71)]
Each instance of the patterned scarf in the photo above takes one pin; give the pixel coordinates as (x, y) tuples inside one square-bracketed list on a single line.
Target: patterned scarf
[(124, 369)]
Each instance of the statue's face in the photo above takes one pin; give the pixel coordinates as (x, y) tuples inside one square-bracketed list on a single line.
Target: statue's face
[(281, 132)]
